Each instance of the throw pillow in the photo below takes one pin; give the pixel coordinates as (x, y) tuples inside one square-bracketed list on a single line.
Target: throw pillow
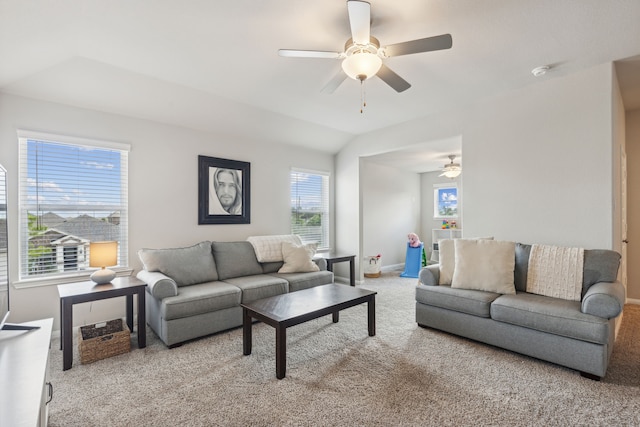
[(298, 259), (485, 265), (447, 259), (187, 266)]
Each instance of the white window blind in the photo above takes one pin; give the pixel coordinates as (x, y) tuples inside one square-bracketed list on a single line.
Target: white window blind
[(310, 206), (4, 242), (71, 194)]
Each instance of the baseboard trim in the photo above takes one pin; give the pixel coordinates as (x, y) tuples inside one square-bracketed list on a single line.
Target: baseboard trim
[(633, 301), (393, 267)]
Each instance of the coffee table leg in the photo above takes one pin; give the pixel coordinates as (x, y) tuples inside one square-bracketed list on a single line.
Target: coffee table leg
[(281, 351), (246, 332), (371, 318)]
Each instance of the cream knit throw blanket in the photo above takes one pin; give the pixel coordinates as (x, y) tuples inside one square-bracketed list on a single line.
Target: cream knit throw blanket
[(555, 272)]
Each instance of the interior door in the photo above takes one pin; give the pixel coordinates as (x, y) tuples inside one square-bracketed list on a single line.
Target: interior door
[(623, 213)]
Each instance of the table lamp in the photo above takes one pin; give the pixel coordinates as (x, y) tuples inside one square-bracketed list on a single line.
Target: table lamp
[(103, 254)]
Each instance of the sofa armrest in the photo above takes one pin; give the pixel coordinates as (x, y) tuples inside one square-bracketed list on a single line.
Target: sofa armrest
[(321, 262), (160, 285), (604, 299), (430, 275)]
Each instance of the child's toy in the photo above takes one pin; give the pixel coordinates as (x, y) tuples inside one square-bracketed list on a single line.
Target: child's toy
[(413, 259), (414, 240)]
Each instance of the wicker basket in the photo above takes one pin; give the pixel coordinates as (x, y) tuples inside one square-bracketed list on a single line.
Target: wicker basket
[(102, 340)]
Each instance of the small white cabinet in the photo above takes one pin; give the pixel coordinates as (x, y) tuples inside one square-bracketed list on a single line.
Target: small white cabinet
[(25, 390)]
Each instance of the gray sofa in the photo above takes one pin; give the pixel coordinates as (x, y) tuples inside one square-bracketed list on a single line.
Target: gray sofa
[(197, 290), (575, 334)]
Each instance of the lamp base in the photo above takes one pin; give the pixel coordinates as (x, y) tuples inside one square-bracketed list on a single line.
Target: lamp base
[(103, 276)]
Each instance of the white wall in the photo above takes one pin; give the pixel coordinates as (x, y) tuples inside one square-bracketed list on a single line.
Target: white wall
[(428, 223), (537, 162), (163, 187), (633, 203), (390, 210)]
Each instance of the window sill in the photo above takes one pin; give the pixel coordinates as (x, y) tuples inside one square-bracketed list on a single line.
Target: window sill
[(59, 280)]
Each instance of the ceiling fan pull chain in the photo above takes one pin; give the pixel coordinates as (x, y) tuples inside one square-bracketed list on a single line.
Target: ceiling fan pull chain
[(363, 102)]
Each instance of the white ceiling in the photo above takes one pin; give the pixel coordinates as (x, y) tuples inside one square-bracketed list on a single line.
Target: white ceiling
[(213, 65)]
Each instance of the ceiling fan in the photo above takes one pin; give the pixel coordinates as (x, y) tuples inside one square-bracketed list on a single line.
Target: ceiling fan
[(362, 56)]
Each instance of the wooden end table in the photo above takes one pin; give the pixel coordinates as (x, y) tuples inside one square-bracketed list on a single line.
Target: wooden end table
[(334, 257), (75, 293)]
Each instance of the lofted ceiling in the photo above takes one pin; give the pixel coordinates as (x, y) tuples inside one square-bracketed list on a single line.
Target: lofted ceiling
[(214, 66)]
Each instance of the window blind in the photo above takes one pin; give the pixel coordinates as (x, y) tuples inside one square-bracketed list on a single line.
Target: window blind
[(71, 194), (4, 241), (310, 206)]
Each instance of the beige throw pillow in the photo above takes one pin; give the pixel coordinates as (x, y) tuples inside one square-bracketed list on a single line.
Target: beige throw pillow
[(485, 265), (447, 259), (298, 259)]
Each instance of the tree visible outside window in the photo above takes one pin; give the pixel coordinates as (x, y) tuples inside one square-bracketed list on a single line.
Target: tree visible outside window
[(445, 202), (72, 192), (310, 206)]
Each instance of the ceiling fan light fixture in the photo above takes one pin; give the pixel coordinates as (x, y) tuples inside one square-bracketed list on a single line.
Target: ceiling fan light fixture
[(451, 170), (361, 65)]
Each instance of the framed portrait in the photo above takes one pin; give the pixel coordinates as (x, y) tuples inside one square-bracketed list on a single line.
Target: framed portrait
[(223, 191)]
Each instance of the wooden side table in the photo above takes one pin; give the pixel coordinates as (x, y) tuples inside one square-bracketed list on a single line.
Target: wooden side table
[(334, 257), (75, 293)]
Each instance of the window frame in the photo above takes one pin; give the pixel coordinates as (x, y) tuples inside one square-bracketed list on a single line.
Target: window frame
[(62, 274), (437, 188), (325, 241)]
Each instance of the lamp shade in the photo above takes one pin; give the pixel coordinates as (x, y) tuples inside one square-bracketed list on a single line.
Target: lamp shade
[(361, 65), (103, 254)]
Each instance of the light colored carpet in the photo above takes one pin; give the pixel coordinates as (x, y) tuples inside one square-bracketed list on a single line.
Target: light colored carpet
[(338, 375)]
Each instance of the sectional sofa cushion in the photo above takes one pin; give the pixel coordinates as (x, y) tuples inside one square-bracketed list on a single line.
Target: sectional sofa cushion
[(235, 259), (477, 303), (485, 265), (299, 281), (259, 286), (552, 315), (187, 266), (201, 298)]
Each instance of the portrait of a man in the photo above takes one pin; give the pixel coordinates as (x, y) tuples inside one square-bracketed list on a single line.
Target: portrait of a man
[(225, 191)]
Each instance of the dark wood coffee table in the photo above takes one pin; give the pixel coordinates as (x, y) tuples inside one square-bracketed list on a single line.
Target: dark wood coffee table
[(291, 309)]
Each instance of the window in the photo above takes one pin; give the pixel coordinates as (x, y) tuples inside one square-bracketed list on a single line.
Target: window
[(72, 192), (445, 201), (310, 206)]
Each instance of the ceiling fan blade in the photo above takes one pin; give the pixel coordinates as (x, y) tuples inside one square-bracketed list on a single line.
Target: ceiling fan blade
[(392, 79), (290, 53), (428, 44), (335, 82), (360, 20)]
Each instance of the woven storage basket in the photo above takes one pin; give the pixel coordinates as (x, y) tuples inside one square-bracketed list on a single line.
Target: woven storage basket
[(99, 342)]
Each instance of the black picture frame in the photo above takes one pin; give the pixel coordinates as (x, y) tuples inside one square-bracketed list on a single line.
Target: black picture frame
[(228, 205)]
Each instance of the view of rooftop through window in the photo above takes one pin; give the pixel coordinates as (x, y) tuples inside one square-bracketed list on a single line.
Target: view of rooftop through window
[(70, 195)]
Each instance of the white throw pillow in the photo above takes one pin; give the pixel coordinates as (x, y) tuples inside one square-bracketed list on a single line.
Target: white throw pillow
[(485, 265), (447, 258), (298, 259)]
